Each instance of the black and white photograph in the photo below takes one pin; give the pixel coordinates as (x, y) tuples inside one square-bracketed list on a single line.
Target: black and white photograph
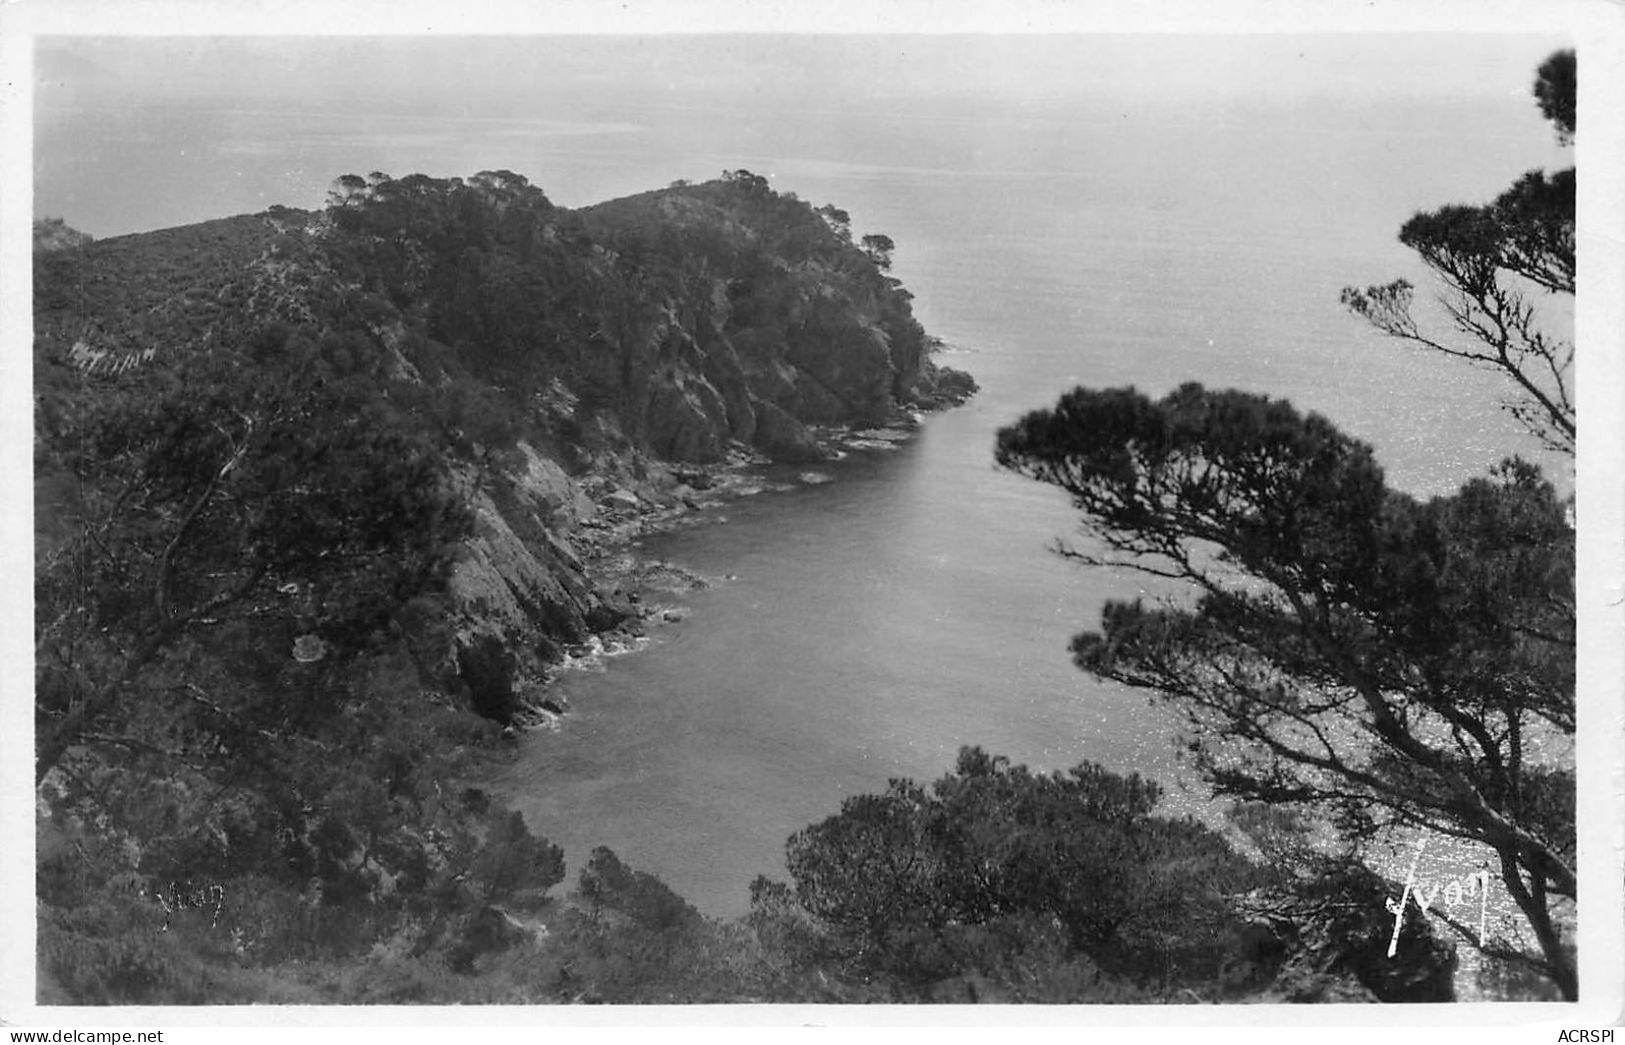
[(1002, 510)]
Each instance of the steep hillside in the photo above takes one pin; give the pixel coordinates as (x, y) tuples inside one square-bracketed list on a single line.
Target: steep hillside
[(565, 369)]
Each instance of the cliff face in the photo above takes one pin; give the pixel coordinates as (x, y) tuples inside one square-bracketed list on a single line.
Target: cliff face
[(571, 369)]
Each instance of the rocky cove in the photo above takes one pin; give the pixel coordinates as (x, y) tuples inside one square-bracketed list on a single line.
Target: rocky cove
[(589, 591), (587, 376)]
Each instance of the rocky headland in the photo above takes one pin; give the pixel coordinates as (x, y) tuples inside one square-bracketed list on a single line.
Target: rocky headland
[(582, 376)]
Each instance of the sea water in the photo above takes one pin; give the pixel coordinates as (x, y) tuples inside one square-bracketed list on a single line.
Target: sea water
[(866, 628)]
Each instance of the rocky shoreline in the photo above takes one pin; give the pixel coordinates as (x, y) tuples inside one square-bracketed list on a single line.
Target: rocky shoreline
[(638, 589)]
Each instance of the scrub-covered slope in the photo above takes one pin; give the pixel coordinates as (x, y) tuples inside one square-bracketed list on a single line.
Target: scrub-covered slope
[(555, 367)]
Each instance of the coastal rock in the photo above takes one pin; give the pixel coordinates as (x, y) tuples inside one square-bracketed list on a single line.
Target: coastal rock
[(509, 584), (686, 419), (721, 367), (695, 481), (940, 387), (487, 668), (541, 485), (850, 359), (623, 499), (785, 438)]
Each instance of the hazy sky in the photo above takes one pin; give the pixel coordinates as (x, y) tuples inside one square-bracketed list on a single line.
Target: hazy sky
[(133, 133), (439, 71)]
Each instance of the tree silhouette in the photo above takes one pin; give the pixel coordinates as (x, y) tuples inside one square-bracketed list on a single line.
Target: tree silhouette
[(1493, 261), (879, 247), (1386, 661), (1555, 89)]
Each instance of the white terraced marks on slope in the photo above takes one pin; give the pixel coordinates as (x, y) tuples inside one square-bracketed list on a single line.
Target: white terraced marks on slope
[(278, 281), (91, 360)]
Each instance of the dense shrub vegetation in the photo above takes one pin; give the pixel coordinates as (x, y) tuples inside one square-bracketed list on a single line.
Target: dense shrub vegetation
[(999, 884)]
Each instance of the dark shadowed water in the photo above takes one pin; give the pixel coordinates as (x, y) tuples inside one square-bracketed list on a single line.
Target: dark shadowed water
[(1056, 229)]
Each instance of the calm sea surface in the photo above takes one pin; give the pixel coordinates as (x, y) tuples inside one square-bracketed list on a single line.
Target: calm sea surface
[(867, 627)]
